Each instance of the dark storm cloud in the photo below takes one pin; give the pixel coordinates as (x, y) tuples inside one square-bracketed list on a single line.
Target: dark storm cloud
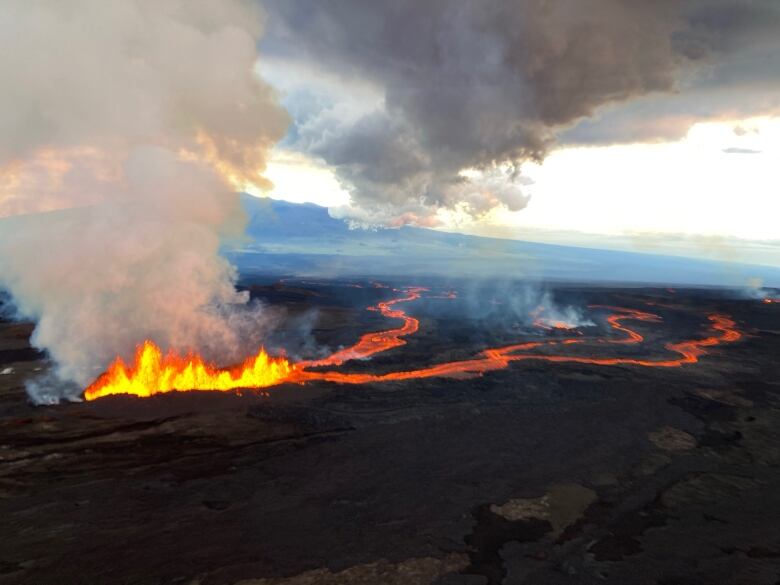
[(488, 84), (734, 73)]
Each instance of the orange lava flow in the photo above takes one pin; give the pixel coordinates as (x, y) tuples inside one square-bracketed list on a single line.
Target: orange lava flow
[(378, 341), (153, 373), (550, 325), (500, 357)]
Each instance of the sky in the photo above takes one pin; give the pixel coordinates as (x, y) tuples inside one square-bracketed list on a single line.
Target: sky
[(712, 194), (649, 128)]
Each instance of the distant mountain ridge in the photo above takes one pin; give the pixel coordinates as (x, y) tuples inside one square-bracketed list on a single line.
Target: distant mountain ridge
[(285, 238), (290, 238)]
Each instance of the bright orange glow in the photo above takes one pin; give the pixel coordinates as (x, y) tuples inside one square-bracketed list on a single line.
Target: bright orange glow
[(378, 341), (153, 373), (772, 301), (238, 165), (500, 358), (542, 322), (37, 183)]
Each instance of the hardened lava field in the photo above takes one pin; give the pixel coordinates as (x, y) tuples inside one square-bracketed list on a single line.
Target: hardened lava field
[(427, 432)]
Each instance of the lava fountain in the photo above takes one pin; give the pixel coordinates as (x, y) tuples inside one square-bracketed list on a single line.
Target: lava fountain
[(154, 373)]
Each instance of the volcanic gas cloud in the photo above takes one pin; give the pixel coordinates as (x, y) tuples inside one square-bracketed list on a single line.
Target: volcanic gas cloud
[(138, 121)]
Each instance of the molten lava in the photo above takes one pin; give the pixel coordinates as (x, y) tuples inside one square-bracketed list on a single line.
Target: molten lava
[(378, 341), (547, 323), (153, 373), (500, 357)]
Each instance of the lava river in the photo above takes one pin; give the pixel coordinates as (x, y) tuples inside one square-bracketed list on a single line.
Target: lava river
[(153, 372)]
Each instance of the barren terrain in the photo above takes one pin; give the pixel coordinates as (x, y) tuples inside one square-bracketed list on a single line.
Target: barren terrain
[(541, 472)]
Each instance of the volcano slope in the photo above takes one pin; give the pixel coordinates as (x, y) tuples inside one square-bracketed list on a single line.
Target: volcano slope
[(538, 471)]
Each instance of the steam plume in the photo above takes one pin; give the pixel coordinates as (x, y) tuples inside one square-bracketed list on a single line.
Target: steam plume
[(137, 120)]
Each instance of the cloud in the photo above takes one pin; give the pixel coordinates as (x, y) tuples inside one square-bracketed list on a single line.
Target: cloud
[(735, 150), (483, 86)]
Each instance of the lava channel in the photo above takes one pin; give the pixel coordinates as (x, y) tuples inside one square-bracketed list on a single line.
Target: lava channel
[(154, 373)]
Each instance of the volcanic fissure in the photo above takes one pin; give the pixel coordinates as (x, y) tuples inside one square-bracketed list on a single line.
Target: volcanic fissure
[(152, 372)]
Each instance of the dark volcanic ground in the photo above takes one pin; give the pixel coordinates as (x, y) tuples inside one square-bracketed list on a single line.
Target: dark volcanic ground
[(543, 473)]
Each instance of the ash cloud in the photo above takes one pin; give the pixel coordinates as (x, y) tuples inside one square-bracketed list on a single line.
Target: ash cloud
[(131, 123), (488, 85)]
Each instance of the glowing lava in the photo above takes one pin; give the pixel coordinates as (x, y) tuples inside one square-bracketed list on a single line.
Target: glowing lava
[(378, 341), (153, 373), (550, 325), (500, 357), (542, 322)]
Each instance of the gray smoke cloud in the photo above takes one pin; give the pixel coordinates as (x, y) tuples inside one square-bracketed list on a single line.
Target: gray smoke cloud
[(131, 123), (488, 84)]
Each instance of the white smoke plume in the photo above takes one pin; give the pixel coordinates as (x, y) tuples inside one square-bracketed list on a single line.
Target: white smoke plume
[(137, 121), (526, 305), (547, 314)]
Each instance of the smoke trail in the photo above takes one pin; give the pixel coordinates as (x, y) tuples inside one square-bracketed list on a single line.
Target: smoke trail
[(137, 121)]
